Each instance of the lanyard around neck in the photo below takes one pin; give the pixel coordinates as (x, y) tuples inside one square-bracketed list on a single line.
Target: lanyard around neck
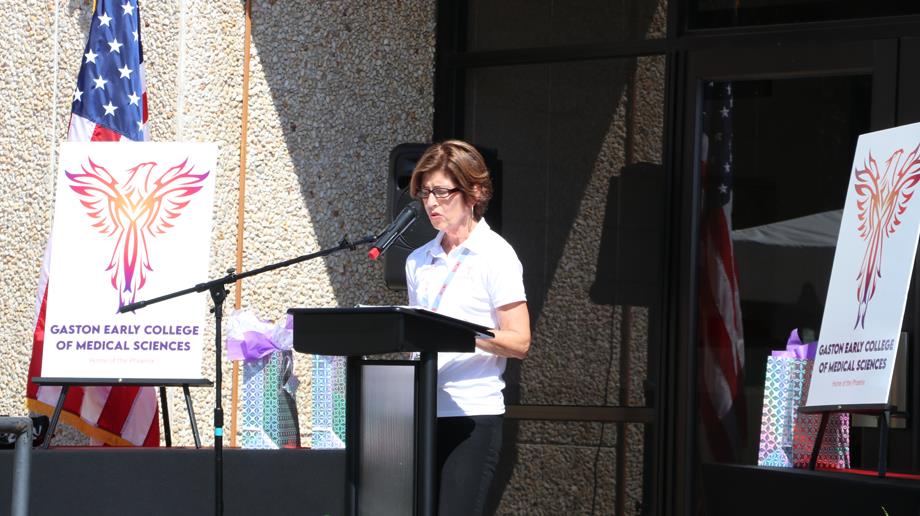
[(450, 276)]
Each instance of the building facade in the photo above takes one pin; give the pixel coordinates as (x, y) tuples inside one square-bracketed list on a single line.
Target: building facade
[(607, 119)]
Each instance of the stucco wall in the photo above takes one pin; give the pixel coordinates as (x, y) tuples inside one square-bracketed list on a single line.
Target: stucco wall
[(333, 87)]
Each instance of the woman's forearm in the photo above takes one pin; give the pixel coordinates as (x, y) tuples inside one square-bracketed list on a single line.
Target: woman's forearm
[(512, 337)]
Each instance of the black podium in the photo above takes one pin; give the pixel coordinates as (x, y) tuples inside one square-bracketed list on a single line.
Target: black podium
[(392, 404)]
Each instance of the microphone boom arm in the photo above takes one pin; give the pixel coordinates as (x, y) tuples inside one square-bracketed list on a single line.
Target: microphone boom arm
[(232, 276)]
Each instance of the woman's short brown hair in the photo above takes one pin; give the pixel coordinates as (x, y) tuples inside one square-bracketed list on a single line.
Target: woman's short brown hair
[(465, 166)]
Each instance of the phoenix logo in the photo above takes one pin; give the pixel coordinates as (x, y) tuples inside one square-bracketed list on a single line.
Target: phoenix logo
[(882, 198), (144, 205)]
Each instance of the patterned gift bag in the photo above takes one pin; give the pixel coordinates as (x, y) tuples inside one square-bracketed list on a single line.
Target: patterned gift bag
[(268, 408), (835, 447), (786, 436), (784, 387), (328, 404)]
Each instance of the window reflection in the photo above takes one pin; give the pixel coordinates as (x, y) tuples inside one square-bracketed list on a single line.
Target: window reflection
[(774, 167)]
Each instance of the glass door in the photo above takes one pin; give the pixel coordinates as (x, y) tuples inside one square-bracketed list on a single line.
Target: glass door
[(769, 139)]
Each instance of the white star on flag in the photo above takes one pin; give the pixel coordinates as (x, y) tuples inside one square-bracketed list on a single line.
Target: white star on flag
[(134, 99), (129, 9), (104, 20), (77, 94), (114, 46), (125, 72), (100, 82), (110, 108), (91, 56)]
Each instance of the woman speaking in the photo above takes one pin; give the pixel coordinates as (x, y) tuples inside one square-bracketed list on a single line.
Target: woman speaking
[(471, 273)]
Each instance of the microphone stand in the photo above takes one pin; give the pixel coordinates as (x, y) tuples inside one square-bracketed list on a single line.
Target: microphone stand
[(217, 288)]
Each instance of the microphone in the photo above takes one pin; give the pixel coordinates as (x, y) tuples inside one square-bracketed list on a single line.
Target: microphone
[(400, 224)]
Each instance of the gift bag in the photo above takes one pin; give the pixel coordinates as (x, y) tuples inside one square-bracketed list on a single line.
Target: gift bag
[(835, 447), (786, 436), (268, 411), (784, 386), (328, 402)]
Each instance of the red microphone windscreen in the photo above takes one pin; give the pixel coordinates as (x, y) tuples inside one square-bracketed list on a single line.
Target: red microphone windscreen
[(374, 253)]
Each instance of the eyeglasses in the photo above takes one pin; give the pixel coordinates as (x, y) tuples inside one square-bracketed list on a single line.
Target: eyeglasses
[(439, 192)]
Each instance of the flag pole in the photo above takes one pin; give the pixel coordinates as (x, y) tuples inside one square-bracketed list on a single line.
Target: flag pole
[(237, 304)]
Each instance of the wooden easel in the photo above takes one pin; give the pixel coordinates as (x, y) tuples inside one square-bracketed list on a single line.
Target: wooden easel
[(66, 383)]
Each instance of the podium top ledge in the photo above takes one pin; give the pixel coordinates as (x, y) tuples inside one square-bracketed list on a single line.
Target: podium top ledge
[(369, 330), (395, 309)]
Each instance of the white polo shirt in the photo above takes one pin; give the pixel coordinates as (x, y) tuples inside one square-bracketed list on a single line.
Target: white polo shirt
[(490, 276)]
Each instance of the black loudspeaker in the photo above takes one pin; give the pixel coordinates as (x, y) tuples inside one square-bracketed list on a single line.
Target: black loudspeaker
[(403, 158)]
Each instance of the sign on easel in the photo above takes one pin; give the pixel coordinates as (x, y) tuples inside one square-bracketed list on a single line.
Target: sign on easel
[(131, 221), (871, 273)]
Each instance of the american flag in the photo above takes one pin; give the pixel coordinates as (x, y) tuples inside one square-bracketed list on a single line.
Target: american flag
[(109, 104), (721, 357)]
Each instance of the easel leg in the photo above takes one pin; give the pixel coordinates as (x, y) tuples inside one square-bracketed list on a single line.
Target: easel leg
[(883, 425), (816, 449), (191, 415), (165, 408), (56, 416)]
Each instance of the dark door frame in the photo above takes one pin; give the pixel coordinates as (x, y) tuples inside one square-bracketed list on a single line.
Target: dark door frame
[(761, 58)]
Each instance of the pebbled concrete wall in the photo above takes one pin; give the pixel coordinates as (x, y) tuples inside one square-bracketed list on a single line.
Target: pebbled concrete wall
[(333, 87)]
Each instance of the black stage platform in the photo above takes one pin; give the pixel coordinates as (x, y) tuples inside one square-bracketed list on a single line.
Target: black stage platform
[(754, 491), (113, 481)]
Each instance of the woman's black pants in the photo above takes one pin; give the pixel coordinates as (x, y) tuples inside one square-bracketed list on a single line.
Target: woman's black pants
[(468, 451)]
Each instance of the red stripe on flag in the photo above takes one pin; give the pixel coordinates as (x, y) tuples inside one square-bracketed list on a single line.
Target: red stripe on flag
[(721, 317), (117, 407), (719, 344), (720, 333), (74, 401), (38, 344), (153, 435), (102, 134)]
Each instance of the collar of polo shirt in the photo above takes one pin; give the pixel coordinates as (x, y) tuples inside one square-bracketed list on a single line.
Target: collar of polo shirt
[(472, 242)]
